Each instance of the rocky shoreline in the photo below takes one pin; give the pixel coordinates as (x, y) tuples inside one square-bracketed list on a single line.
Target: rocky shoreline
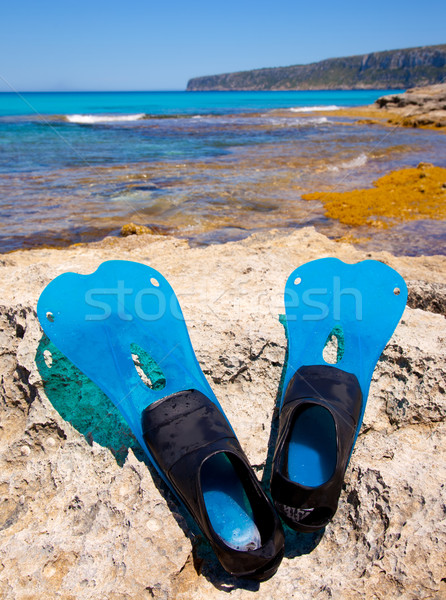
[(421, 107), (418, 107), (76, 522)]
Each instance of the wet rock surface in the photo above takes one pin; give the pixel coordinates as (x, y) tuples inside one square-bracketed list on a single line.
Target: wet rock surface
[(76, 522)]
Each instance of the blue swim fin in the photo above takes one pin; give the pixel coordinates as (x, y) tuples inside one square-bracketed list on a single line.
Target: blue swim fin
[(123, 327), (322, 406)]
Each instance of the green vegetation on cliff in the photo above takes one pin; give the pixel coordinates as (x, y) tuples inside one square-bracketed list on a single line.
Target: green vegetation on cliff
[(380, 70)]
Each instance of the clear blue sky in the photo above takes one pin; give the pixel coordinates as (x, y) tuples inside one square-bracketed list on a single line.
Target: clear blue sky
[(148, 45)]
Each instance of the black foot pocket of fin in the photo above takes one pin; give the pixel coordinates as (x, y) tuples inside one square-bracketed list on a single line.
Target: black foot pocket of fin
[(193, 445), (317, 429)]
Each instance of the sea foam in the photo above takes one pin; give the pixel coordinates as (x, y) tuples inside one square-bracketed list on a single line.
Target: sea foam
[(92, 119), (354, 163), (304, 109)]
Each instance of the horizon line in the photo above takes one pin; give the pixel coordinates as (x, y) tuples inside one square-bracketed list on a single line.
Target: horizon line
[(191, 91)]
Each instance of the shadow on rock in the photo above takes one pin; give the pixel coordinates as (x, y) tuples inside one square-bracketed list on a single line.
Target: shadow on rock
[(274, 426), (207, 565), (80, 402), (296, 543)]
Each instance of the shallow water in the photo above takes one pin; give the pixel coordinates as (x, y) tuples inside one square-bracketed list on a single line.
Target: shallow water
[(210, 174)]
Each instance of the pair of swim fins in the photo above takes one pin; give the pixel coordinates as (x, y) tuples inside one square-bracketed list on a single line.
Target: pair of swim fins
[(123, 327)]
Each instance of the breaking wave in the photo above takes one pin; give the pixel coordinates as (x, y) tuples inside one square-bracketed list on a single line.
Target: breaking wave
[(304, 109), (92, 119)]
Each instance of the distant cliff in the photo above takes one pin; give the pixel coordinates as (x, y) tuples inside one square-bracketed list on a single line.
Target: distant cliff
[(391, 69)]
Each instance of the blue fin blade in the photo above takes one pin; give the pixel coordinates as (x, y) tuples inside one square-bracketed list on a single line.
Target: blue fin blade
[(365, 299), (96, 320)]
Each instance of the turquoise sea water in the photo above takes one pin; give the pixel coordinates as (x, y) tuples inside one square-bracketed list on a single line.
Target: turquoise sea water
[(174, 103), (209, 166)]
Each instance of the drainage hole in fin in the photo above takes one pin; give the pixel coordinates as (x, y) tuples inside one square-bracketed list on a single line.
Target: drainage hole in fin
[(48, 358), (227, 504), (147, 368), (334, 346), (297, 281), (50, 317), (397, 291), (154, 282)]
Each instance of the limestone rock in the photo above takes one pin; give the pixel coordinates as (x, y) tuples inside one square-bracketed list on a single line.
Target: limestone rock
[(428, 296), (418, 106), (78, 522)]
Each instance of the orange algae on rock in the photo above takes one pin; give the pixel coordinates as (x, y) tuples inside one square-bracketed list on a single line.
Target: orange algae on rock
[(350, 238), (134, 229), (404, 195)]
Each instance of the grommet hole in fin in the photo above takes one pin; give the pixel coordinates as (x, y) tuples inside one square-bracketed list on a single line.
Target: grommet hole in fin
[(48, 358), (147, 368), (154, 282), (297, 281), (50, 317), (397, 291), (334, 346)]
